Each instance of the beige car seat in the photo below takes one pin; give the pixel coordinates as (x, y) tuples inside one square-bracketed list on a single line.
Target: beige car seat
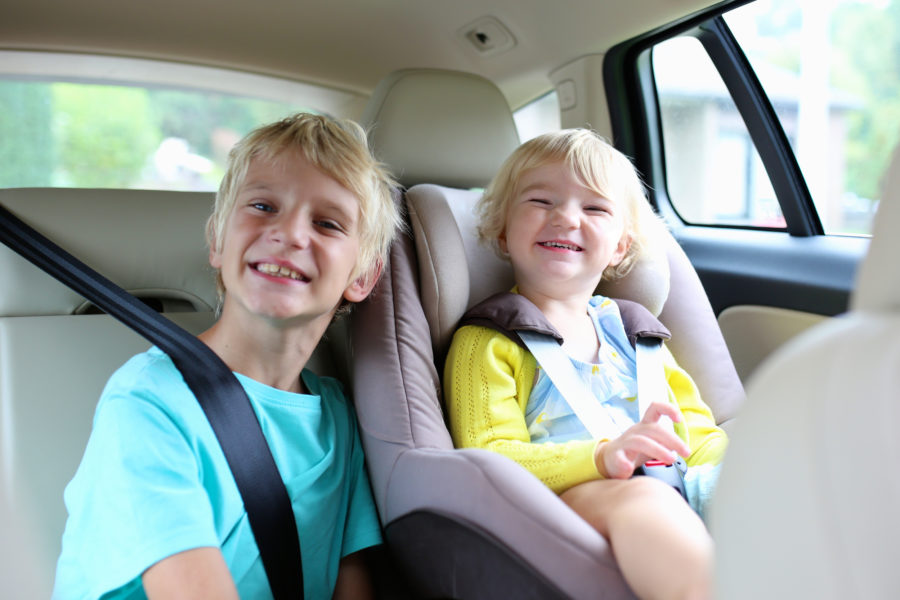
[(471, 523), (56, 352), (807, 502)]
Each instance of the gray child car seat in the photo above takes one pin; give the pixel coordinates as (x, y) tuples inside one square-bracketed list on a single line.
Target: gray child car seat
[(471, 523)]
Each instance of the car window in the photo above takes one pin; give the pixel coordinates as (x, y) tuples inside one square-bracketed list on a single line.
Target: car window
[(714, 174), (832, 74), (88, 121), (541, 115)]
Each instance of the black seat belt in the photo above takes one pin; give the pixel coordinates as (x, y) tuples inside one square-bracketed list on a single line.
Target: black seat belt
[(217, 390)]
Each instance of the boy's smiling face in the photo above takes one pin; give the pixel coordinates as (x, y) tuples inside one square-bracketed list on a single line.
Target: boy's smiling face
[(561, 235), (291, 243)]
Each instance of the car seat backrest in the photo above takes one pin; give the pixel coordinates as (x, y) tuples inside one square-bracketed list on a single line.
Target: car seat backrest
[(808, 496), (57, 350), (878, 280), (148, 242)]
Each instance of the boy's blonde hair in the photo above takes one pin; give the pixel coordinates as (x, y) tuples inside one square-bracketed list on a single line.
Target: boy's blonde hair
[(339, 148), (600, 167)]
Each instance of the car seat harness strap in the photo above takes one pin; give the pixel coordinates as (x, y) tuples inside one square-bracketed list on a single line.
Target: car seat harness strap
[(596, 419), (218, 391)]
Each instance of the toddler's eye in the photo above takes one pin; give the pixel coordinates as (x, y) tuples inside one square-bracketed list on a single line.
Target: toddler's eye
[(541, 201), (262, 206), (329, 224)]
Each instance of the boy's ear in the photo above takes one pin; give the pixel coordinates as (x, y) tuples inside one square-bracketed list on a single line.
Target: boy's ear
[(215, 257), (360, 288)]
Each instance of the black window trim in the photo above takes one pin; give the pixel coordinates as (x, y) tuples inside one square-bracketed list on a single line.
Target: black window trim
[(633, 106)]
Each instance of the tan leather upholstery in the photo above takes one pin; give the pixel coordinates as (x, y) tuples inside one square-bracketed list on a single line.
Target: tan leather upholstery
[(409, 127), (807, 502), (147, 241), (53, 361)]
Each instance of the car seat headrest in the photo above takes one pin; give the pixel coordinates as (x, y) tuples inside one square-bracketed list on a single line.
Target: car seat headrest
[(878, 281), (443, 127), (149, 242), (646, 283)]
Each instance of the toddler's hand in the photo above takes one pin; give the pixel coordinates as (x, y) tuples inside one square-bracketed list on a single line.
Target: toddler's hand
[(648, 440)]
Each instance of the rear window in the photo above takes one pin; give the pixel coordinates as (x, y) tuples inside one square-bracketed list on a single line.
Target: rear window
[(125, 123)]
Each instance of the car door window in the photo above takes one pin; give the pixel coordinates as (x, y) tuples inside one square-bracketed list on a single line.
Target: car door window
[(832, 74), (714, 174)]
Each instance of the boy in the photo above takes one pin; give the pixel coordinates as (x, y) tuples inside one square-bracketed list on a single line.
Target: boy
[(567, 209), (301, 225)]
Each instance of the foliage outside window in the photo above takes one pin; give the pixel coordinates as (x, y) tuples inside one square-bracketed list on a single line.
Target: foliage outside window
[(85, 132)]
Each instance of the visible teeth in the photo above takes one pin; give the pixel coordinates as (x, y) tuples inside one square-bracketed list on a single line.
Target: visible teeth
[(278, 271), (558, 245)]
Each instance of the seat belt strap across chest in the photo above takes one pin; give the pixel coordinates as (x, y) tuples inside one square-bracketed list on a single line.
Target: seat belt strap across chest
[(218, 392), (587, 407)]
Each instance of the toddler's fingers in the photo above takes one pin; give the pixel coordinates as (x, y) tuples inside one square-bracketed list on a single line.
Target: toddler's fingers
[(664, 436), (657, 410), (640, 449)]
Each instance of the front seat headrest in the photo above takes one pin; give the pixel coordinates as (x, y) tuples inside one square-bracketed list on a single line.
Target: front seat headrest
[(443, 127)]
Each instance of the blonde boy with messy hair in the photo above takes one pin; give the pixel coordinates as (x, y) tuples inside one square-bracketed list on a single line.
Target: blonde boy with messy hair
[(336, 148), (301, 226), (568, 210)]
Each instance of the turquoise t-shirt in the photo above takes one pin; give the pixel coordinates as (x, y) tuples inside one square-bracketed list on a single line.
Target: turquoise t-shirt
[(154, 482)]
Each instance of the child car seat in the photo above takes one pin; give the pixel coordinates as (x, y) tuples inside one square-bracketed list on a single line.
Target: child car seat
[(807, 501), (471, 523)]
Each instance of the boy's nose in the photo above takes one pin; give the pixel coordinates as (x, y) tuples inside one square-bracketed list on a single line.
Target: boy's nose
[(293, 229)]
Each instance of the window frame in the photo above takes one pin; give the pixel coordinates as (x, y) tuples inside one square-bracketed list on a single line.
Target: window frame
[(798, 267), (637, 127)]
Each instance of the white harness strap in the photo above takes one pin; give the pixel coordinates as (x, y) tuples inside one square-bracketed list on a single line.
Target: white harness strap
[(559, 368), (651, 375)]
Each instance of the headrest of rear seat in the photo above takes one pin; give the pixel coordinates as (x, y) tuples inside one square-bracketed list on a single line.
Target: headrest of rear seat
[(149, 242), (443, 127), (878, 281)]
